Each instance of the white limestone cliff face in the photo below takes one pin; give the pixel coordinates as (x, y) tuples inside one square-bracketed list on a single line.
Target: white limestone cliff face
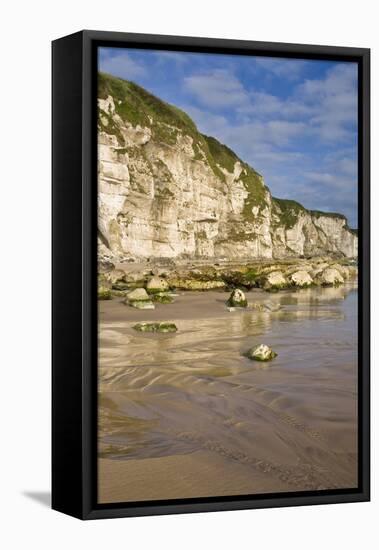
[(164, 199)]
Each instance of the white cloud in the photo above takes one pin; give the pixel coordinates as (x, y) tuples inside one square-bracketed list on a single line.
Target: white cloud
[(218, 88), (333, 182), (282, 67), (348, 166), (121, 64), (242, 136), (167, 56), (334, 100)]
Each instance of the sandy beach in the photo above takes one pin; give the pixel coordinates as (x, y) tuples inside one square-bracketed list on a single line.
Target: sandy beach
[(188, 415)]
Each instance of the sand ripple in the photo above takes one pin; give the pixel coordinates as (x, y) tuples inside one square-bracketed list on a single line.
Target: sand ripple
[(292, 423)]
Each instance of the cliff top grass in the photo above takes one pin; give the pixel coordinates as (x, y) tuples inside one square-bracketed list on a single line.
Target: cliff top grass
[(288, 211), (335, 215), (319, 214), (135, 104), (224, 156)]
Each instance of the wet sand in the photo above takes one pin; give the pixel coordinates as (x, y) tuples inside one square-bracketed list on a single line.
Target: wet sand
[(187, 415)]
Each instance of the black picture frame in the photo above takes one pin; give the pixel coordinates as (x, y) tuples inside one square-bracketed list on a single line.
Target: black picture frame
[(74, 272)]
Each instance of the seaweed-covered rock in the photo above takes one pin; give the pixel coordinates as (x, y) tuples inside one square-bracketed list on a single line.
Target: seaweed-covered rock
[(116, 276), (329, 277), (274, 281), (156, 327), (156, 284), (104, 265), (118, 293), (138, 294), (139, 299), (142, 304), (237, 299), (162, 298), (104, 293), (240, 277), (194, 284), (103, 281), (115, 279), (121, 286), (343, 270), (301, 279), (261, 353)]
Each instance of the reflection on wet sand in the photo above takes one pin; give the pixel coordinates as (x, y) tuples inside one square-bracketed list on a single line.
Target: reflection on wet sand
[(191, 403)]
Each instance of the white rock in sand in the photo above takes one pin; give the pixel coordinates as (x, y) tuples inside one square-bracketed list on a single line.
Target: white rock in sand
[(237, 299), (261, 353), (138, 294), (157, 284), (139, 299)]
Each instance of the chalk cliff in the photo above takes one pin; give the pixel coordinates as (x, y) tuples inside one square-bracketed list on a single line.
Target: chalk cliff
[(167, 191)]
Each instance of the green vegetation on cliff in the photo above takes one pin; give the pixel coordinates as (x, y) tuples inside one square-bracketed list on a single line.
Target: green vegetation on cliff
[(288, 211), (136, 105), (222, 155), (319, 214), (252, 181), (257, 191)]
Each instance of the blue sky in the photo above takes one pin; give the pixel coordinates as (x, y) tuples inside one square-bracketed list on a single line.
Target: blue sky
[(294, 121)]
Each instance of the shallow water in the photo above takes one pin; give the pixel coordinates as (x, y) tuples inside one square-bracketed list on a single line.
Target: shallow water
[(293, 420)]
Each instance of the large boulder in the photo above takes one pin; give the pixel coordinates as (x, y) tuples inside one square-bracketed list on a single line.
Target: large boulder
[(104, 265), (343, 270), (138, 294), (139, 299), (301, 279), (162, 298), (261, 353), (156, 284), (115, 279), (274, 281), (329, 277), (237, 299), (116, 276), (353, 271), (318, 268)]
